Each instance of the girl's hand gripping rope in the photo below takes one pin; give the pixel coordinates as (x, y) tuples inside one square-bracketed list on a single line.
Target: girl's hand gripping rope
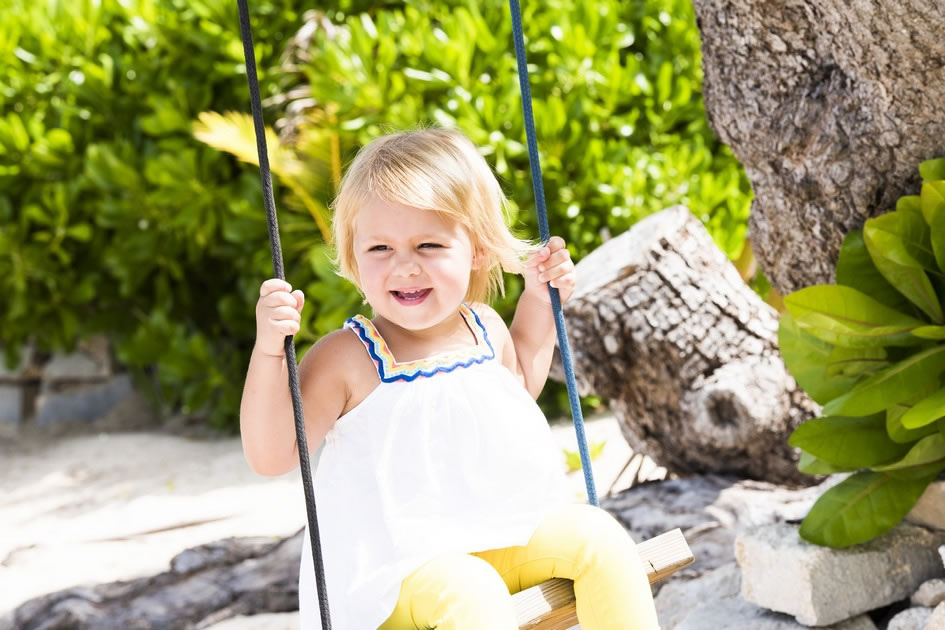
[(551, 264), (278, 314)]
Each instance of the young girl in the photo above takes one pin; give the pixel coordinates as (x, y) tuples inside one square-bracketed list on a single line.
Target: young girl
[(439, 489)]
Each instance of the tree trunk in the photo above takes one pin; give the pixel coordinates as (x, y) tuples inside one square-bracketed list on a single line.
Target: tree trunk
[(830, 105), (663, 327), (206, 585)]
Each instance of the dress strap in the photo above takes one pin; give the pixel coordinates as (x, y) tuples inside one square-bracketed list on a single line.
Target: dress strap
[(390, 370)]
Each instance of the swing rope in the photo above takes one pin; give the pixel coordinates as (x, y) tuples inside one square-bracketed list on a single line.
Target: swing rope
[(278, 268), (543, 231), (264, 172)]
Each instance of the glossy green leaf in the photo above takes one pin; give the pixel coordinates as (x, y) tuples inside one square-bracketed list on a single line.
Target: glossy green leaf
[(861, 508), (900, 381), (806, 358), (855, 362), (929, 332), (938, 240), (932, 169), (844, 316), (926, 411), (909, 203), (932, 200), (928, 450), (810, 465), (900, 434), (900, 248), (855, 269), (848, 442)]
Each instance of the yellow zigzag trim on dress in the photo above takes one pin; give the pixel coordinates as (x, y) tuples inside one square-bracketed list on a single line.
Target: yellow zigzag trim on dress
[(390, 370)]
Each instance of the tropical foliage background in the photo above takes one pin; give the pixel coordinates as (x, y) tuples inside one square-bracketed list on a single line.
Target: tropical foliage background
[(131, 206)]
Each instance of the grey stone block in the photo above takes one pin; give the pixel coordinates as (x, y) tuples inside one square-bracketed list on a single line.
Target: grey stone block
[(91, 360), (83, 403), (11, 404), (821, 586), (930, 509)]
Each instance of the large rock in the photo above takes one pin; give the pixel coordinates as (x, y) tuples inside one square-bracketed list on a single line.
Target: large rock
[(737, 614), (679, 597), (910, 619), (821, 586), (664, 328), (930, 594), (936, 620), (711, 510)]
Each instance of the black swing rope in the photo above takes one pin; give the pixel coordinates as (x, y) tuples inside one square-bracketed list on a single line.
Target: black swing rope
[(306, 468), (544, 233)]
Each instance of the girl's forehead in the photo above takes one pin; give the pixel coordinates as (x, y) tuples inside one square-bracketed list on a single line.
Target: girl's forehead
[(379, 217)]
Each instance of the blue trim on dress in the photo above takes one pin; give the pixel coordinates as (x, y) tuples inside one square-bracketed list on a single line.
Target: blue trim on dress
[(387, 366)]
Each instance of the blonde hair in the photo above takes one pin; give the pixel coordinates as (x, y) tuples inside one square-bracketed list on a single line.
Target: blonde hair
[(439, 170)]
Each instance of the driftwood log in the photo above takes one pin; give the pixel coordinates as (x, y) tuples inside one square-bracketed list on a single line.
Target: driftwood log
[(662, 326), (205, 585), (830, 105)]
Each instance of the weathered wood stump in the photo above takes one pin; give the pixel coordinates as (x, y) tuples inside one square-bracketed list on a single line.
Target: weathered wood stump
[(205, 585), (686, 353)]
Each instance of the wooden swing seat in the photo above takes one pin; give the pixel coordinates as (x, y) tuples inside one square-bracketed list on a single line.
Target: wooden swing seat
[(550, 605)]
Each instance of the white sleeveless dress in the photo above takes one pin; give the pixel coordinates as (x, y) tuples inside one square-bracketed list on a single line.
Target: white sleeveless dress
[(447, 454)]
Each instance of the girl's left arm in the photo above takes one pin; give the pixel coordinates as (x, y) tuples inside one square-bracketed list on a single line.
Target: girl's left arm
[(533, 326)]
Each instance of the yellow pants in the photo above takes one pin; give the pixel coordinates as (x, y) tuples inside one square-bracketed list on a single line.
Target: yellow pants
[(578, 542)]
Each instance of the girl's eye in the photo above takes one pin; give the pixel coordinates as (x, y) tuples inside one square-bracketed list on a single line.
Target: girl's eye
[(429, 245), (378, 248)]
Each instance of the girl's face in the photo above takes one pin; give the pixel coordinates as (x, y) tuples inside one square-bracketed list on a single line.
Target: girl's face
[(413, 265)]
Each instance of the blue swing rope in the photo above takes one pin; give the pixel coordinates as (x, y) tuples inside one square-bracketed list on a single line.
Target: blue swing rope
[(278, 268), (545, 234)]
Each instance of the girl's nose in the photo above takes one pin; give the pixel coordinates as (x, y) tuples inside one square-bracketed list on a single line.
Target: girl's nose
[(406, 267)]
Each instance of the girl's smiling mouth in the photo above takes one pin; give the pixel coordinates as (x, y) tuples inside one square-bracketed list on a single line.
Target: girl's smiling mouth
[(411, 297)]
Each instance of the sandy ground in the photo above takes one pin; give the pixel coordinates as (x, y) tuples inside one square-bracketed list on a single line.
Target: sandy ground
[(87, 509)]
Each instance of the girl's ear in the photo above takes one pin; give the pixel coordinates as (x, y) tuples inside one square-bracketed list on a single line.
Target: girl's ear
[(478, 259)]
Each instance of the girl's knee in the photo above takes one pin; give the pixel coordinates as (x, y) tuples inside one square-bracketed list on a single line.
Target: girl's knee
[(458, 591), (461, 575), (595, 524), (592, 535)]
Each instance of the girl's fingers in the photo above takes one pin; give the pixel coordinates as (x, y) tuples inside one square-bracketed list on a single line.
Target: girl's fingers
[(280, 298), (555, 243), (565, 280), (286, 313), (538, 257), (273, 284), (559, 257)]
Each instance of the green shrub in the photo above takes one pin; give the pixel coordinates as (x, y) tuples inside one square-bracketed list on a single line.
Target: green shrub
[(115, 219), (871, 350), (616, 88)]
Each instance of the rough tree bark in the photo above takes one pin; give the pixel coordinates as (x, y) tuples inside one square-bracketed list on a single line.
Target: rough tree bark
[(830, 105), (205, 585), (663, 327)]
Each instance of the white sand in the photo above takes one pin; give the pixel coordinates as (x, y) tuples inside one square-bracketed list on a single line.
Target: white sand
[(114, 506)]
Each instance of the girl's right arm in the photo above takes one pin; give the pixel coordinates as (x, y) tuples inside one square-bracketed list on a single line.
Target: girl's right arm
[(267, 420)]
